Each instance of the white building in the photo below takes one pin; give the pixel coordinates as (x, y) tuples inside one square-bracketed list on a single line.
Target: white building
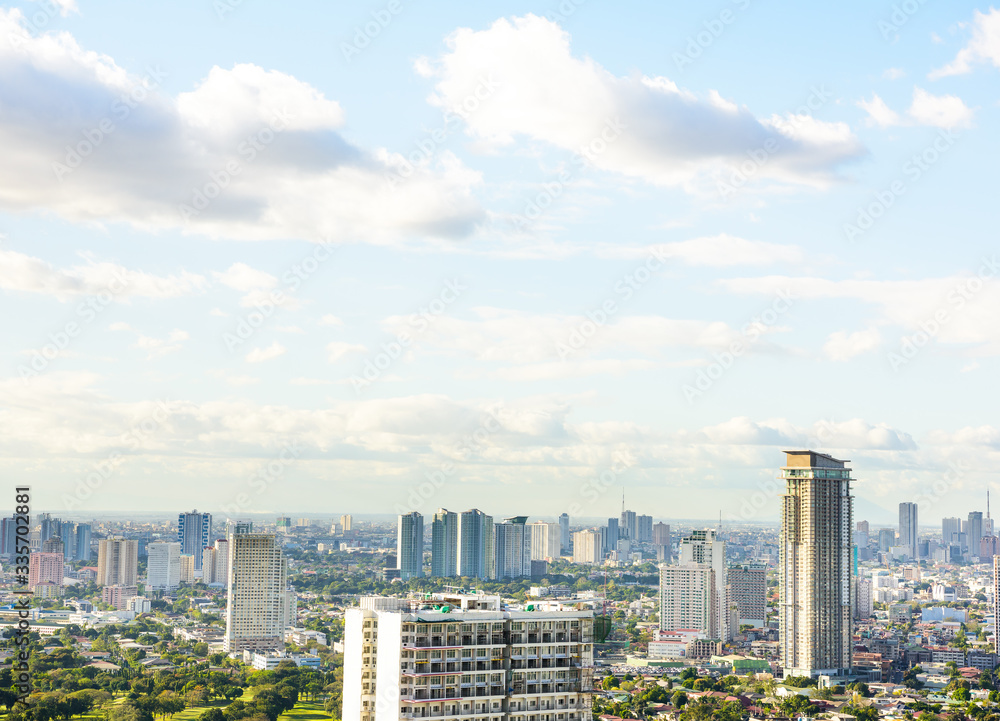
[(587, 547), (138, 604), (688, 598), (270, 661), (816, 584), (704, 547), (257, 603), (468, 658), (546, 540), (215, 563), (864, 605), (163, 566)]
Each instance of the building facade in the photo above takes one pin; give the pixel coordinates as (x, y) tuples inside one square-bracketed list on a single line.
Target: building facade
[(688, 599), (588, 547), (410, 545), (475, 555), (163, 566), (470, 658), (45, 568), (546, 541), (748, 590), (117, 562), (707, 548), (908, 528), (193, 533), (444, 544), (816, 581), (256, 605)]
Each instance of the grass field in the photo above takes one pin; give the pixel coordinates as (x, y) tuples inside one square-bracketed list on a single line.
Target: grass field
[(306, 711)]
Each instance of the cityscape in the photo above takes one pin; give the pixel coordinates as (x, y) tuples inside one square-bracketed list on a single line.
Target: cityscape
[(524, 360)]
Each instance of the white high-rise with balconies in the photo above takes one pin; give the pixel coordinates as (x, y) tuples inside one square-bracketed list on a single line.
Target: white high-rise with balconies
[(163, 565), (457, 657), (816, 587), (705, 547), (546, 540), (257, 604)]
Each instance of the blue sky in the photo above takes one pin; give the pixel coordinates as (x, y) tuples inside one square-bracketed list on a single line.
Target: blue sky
[(272, 258)]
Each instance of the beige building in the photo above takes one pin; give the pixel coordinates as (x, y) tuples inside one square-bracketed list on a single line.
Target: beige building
[(546, 540), (688, 599), (816, 586), (257, 602), (587, 547), (117, 562), (187, 568)]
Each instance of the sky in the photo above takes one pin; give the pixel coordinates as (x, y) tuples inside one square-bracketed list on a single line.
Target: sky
[(378, 257)]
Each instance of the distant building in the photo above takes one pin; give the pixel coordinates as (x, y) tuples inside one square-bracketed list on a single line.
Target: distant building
[(644, 529), (117, 596), (163, 567), (117, 562), (564, 531), (865, 597), (444, 544), (193, 533), (951, 528), (257, 604), (410, 545), (975, 532), (707, 548), (475, 554), (629, 525), (688, 598), (908, 528), (512, 548), (748, 590), (546, 540), (45, 568), (187, 565), (138, 604), (587, 547)]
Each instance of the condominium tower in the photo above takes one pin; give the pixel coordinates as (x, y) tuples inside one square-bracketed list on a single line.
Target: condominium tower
[(410, 545), (816, 586), (117, 562), (257, 606), (908, 528), (193, 531), (444, 544)]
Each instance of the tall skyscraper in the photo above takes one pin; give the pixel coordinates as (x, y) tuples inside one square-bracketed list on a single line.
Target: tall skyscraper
[(705, 547), (996, 598), (886, 539), (588, 547), (975, 532), (512, 548), (410, 545), (662, 542), (187, 568), (8, 536), (546, 540), (193, 532), (475, 545), (54, 545), (628, 525), (444, 544), (688, 598), (347, 523), (644, 528), (67, 532), (908, 528), (748, 590), (163, 566), (816, 586), (117, 562), (950, 529), (564, 531), (862, 526), (83, 538), (257, 606), (612, 535)]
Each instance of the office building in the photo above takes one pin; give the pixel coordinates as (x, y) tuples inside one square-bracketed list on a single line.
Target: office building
[(83, 538), (951, 528), (688, 599), (886, 540), (816, 582), (45, 567), (644, 529), (974, 531), (193, 533), (163, 566), (748, 590), (470, 658), (908, 528), (588, 547), (67, 532), (862, 526), (444, 544), (704, 547), (410, 545), (8, 536), (628, 525), (117, 562), (187, 568), (546, 540), (611, 535), (511, 548), (564, 531), (475, 552), (257, 605)]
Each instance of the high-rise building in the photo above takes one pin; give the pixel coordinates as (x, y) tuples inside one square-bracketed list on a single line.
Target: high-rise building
[(864, 598), (975, 532), (861, 526), (908, 528), (705, 547), (662, 542), (283, 524), (410, 545), (612, 535), (587, 547), (628, 525), (748, 590), (479, 653), (444, 544), (475, 545), (564, 531), (816, 586), (546, 540), (83, 538), (996, 598), (117, 562), (163, 567), (67, 532), (8, 536), (512, 548), (54, 544), (193, 532), (257, 606), (48, 527), (347, 523), (688, 598), (950, 528), (45, 567), (215, 563), (886, 539), (644, 528), (187, 567)]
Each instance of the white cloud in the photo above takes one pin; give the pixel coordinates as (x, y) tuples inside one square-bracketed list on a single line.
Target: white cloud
[(28, 274), (841, 346), (939, 111), (241, 277), (524, 81), (159, 347), (304, 181), (330, 319), (879, 113), (563, 370), (310, 382), (894, 74), (725, 250), (337, 350), (259, 355), (983, 46)]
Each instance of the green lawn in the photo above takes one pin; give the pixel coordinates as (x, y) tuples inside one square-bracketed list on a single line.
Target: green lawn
[(306, 711)]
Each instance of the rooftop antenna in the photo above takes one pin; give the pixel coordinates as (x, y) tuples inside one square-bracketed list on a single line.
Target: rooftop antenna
[(623, 500)]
